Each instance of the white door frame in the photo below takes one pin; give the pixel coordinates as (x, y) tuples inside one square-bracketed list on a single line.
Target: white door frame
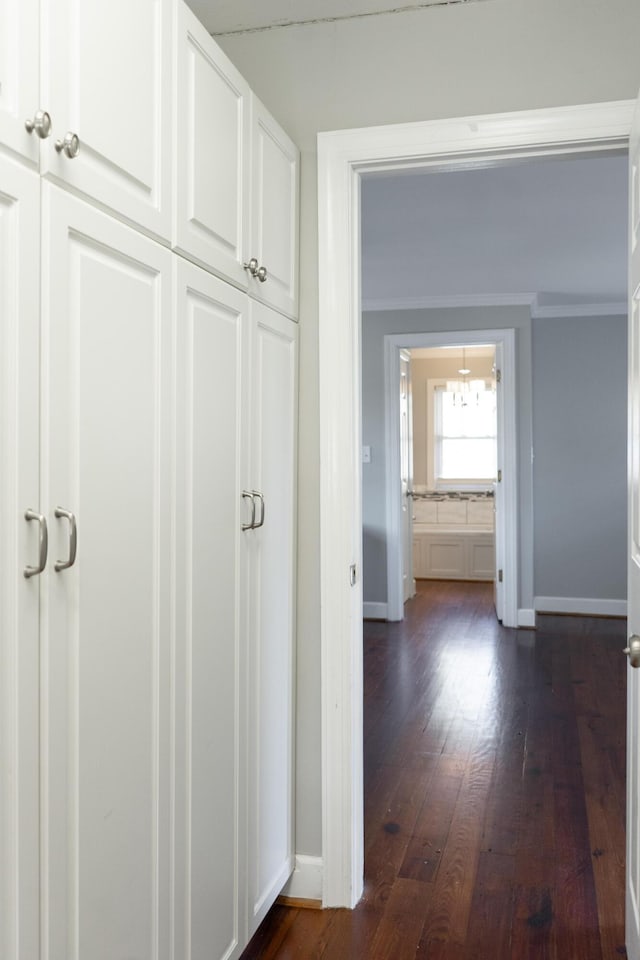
[(343, 156), (506, 533)]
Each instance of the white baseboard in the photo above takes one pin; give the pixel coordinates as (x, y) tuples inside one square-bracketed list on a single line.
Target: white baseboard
[(587, 606), (305, 883), (526, 618), (374, 611)]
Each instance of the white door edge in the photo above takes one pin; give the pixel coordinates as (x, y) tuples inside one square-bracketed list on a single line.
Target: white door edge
[(342, 156)]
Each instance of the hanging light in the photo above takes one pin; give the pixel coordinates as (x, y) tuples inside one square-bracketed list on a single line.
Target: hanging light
[(464, 388)]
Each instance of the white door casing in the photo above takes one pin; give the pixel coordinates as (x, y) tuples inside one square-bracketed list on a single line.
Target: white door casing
[(406, 475), (633, 676), (506, 530), (106, 455), (19, 548), (342, 157)]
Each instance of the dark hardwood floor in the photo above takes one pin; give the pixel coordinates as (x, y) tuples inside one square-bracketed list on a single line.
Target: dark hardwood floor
[(494, 792)]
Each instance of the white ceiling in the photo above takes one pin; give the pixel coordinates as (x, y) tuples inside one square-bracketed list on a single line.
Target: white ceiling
[(553, 227), (230, 16)]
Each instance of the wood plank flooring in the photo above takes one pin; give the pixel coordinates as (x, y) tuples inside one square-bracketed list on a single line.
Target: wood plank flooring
[(494, 792)]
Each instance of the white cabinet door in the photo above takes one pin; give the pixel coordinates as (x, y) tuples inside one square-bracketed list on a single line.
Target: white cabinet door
[(107, 78), (19, 75), (105, 627), (274, 210), (19, 548), (210, 655), (272, 593), (212, 164)]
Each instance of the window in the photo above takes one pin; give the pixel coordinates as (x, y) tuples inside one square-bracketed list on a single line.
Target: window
[(464, 437)]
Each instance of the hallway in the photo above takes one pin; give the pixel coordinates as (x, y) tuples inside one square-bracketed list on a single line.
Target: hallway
[(494, 792)]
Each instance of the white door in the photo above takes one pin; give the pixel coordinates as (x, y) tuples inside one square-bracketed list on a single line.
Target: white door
[(274, 212), (271, 548), (211, 593), (19, 73), (406, 476), (106, 78), (633, 676), (19, 549), (212, 161), (105, 628)]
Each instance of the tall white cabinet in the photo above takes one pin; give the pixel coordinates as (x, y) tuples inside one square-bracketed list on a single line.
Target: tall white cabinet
[(147, 504)]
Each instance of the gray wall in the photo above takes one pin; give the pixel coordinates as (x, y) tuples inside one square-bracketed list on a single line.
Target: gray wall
[(580, 464), (438, 62), (374, 327)]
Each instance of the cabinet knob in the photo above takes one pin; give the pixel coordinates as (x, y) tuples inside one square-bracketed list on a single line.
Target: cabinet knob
[(70, 146), (41, 124), (255, 270)]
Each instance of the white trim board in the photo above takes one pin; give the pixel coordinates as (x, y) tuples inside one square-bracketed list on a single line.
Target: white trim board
[(582, 606), (343, 156), (374, 611), (305, 883)]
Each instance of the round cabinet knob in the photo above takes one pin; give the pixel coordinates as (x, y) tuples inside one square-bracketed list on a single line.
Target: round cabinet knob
[(70, 146), (41, 124), (633, 651), (261, 274), (252, 266)]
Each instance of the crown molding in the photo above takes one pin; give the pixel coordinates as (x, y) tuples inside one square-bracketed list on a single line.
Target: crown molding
[(604, 309)]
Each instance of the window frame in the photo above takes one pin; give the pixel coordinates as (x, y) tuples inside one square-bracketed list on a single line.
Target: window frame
[(469, 485)]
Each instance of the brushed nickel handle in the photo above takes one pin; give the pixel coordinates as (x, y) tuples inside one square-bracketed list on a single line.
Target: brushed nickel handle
[(44, 543), (73, 539), (633, 651), (252, 266), (249, 496), (261, 274), (41, 124), (258, 496), (70, 146)]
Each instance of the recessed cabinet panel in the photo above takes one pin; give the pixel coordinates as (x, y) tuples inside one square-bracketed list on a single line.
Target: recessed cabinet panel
[(19, 73), (212, 153), (19, 548), (210, 659), (106, 80), (106, 640), (274, 230), (273, 586)]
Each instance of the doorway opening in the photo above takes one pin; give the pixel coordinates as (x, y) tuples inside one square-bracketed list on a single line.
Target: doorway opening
[(343, 157), (465, 552)]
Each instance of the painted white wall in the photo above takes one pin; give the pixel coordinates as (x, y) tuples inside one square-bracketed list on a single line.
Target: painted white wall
[(457, 60), (580, 464)]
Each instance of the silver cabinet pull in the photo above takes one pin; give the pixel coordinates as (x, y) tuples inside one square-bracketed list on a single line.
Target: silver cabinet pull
[(70, 146), (261, 274), (44, 543), (258, 496), (73, 539), (249, 496), (41, 124)]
